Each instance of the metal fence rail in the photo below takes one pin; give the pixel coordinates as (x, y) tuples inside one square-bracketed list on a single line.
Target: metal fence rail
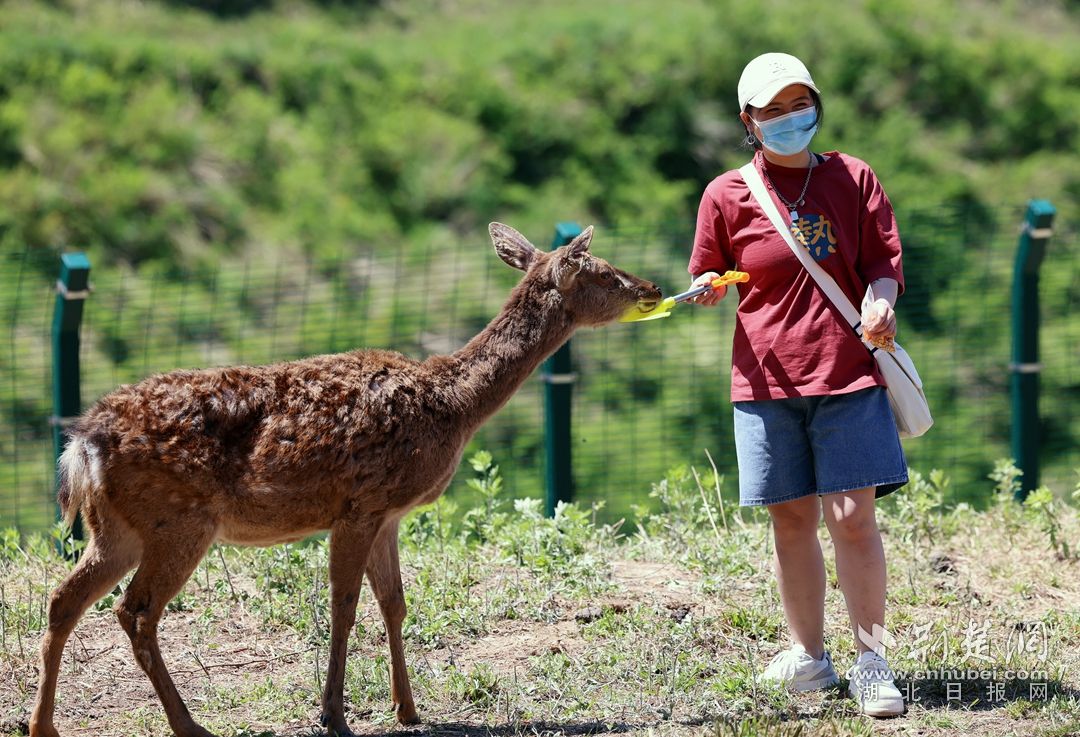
[(649, 396)]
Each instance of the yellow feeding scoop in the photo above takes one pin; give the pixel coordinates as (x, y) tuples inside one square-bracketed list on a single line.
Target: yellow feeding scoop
[(637, 313)]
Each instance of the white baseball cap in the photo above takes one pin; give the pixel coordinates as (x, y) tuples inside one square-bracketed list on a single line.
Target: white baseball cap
[(769, 73)]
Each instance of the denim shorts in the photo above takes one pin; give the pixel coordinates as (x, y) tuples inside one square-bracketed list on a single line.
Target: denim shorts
[(790, 448)]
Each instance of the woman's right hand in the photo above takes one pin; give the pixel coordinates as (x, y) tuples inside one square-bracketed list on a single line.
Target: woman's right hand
[(713, 296)]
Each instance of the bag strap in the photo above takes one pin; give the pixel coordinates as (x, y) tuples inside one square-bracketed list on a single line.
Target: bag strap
[(828, 285)]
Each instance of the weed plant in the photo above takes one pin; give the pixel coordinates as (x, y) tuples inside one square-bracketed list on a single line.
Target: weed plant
[(523, 624)]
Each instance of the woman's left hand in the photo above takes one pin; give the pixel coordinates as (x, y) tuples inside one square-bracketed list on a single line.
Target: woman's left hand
[(879, 320)]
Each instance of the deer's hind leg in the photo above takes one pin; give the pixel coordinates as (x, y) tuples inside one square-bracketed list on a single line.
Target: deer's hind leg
[(384, 575), (168, 560), (113, 550)]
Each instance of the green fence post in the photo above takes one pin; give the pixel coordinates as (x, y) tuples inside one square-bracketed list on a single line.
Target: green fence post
[(71, 290), (558, 391), (1025, 366)]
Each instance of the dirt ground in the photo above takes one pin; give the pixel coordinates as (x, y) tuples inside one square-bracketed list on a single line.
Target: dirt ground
[(104, 694)]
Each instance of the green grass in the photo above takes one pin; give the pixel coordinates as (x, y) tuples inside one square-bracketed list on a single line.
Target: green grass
[(315, 177), (520, 624)]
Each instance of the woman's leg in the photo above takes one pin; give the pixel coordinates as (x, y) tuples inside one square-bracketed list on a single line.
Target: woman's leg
[(860, 558), (800, 570)]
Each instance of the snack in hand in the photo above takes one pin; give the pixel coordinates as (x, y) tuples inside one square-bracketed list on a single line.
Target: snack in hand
[(882, 342)]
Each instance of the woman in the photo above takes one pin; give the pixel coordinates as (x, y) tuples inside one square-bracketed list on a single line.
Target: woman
[(813, 428)]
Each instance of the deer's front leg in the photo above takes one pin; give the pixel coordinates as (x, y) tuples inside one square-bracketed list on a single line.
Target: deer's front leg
[(350, 546), (384, 574)]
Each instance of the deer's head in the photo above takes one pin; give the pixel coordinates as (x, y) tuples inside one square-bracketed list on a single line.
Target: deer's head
[(593, 291)]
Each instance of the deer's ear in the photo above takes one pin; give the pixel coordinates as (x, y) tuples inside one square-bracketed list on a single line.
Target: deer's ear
[(580, 245), (573, 259), (512, 247)]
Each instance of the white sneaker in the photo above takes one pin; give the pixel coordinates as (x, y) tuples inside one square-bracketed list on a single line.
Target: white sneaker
[(797, 670), (871, 685)]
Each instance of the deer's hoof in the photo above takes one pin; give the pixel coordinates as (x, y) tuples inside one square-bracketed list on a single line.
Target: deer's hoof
[(406, 714), (194, 731), (335, 726), (41, 730)]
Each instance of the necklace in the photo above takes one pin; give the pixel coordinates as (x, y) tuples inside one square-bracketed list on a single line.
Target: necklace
[(792, 207)]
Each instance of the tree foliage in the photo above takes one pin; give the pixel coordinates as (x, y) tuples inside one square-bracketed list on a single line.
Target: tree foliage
[(171, 138), (182, 131)]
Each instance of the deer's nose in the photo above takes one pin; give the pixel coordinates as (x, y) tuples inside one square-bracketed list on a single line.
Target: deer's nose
[(650, 296)]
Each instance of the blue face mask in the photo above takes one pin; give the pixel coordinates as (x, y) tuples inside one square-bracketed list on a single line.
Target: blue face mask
[(789, 134)]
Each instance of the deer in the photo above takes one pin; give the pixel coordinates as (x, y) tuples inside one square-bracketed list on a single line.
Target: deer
[(346, 443)]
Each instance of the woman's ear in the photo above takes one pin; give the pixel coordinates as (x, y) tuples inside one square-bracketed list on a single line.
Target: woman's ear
[(747, 122), (752, 138)]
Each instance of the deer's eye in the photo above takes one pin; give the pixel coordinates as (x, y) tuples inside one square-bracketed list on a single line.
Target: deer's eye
[(605, 276)]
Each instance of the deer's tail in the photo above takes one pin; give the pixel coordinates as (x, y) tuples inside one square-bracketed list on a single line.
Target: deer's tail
[(80, 473)]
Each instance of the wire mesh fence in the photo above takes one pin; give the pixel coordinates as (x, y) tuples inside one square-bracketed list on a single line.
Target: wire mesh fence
[(650, 396)]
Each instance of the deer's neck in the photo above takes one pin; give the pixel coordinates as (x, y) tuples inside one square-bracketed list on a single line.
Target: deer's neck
[(484, 374)]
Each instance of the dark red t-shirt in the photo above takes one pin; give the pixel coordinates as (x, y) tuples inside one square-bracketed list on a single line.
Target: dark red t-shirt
[(789, 339)]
